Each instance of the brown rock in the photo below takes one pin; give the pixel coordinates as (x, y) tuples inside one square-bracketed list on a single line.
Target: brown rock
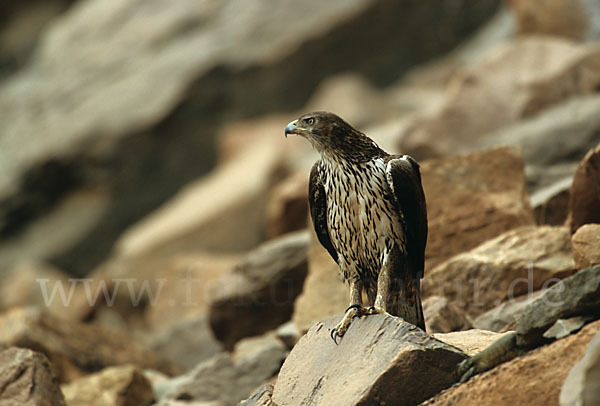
[(540, 374), (27, 380), (586, 246), (582, 386), (584, 203), (288, 206), (381, 359), (74, 348), (259, 294), (443, 316), (517, 262), (114, 386), (517, 80), (505, 316), (471, 199), (324, 294), (470, 341), (568, 18), (551, 203)]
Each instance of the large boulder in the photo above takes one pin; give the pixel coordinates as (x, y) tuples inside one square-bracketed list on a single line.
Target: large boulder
[(26, 379), (471, 199), (259, 294), (540, 374), (380, 360), (515, 263)]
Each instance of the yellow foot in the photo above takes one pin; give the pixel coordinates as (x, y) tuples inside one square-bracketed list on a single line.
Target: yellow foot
[(341, 328), (376, 310)]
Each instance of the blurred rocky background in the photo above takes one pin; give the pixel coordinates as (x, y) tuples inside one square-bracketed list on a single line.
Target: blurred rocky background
[(155, 246)]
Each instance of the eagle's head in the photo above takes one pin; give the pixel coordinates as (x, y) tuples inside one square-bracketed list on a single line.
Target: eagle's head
[(334, 137)]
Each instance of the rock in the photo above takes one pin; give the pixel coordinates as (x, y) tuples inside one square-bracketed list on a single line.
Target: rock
[(381, 359), (226, 378), (186, 343), (26, 379), (471, 199), (470, 341), (259, 294), (517, 80), (540, 375), (505, 315), (324, 294), (517, 262), (551, 203), (74, 348), (582, 386), (443, 316), (113, 386), (567, 18), (564, 327), (288, 333), (586, 246), (584, 203), (262, 397), (288, 206), (577, 295), (146, 146)]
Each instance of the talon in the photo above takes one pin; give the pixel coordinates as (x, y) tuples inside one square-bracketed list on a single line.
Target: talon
[(375, 310), (353, 306), (334, 336)]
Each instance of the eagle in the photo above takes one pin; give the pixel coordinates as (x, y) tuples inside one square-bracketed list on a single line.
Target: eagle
[(369, 212)]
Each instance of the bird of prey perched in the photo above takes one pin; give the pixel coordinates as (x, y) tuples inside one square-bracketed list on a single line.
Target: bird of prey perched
[(368, 210)]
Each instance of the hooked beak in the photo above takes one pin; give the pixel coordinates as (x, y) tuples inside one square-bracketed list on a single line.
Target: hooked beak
[(291, 128)]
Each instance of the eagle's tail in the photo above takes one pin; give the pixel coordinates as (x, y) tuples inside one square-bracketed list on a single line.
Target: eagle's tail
[(405, 301)]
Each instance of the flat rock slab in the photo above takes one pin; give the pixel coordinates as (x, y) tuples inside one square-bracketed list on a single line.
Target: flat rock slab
[(380, 360)]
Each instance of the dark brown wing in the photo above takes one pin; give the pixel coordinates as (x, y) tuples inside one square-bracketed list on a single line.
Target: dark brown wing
[(404, 180), (318, 209)]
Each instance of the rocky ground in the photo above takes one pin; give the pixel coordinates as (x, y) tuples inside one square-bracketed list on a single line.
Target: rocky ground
[(154, 236)]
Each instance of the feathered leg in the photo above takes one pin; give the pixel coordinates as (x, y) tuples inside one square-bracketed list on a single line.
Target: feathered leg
[(354, 309)]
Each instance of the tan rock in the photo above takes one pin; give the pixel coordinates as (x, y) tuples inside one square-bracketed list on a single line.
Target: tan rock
[(74, 348), (324, 294), (551, 204), (540, 374), (261, 397), (471, 199), (114, 386), (288, 206), (586, 246), (470, 341), (515, 81), (259, 294), (582, 386), (568, 18), (443, 316), (584, 203), (517, 262), (380, 359), (26, 379)]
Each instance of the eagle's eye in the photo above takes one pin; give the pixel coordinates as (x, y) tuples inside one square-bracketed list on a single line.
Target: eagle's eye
[(310, 121)]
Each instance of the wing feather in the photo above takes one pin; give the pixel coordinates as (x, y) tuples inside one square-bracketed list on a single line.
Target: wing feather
[(404, 181), (317, 200)]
